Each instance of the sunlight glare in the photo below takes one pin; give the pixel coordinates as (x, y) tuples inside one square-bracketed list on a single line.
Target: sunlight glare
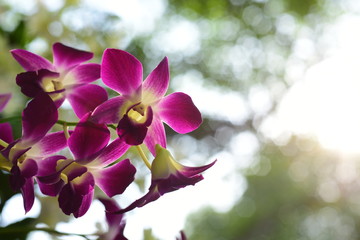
[(326, 104)]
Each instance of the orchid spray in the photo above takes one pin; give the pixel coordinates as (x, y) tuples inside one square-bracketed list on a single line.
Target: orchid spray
[(89, 154)]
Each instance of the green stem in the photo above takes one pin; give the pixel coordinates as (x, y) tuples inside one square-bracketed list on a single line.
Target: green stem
[(3, 143), (111, 126), (143, 156), (61, 122), (10, 119)]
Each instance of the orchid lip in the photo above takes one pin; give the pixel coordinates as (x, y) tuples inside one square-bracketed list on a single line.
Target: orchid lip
[(52, 178)]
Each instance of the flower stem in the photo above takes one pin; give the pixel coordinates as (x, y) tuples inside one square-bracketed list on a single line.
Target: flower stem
[(3, 143), (10, 119), (61, 122), (66, 130), (143, 156)]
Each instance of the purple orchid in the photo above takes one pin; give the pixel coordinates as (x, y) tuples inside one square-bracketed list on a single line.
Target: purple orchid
[(141, 107), (67, 77), (74, 179), (116, 222), (21, 157), (167, 176)]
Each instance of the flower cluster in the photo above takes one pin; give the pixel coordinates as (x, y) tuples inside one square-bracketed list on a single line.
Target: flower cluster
[(93, 158)]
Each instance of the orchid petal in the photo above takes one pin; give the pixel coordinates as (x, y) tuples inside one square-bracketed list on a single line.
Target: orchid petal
[(16, 179), (14, 151), (179, 112), (121, 71), (111, 153), (28, 168), (48, 174), (75, 171), (67, 57), (115, 221), (155, 135), (110, 111), (167, 176), (38, 118), (51, 189), (86, 98), (150, 196), (48, 177), (69, 201), (31, 82), (28, 194), (111, 205), (81, 74), (76, 196), (116, 178), (132, 132), (49, 144), (88, 139), (85, 204), (6, 133), (4, 99), (30, 61), (157, 83)]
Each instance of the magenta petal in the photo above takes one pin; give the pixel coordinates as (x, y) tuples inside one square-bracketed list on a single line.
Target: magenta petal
[(191, 171), (4, 99), (38, 118), (67, 57), (155, 135), (86, 98), (85, 73), (16, 180), (121, 71), (115, 179), (113, 220), (19, 174), (111, 153), (85, 204), (51, 189), (29, 168), (157, 82), (150, 196), (49, 144), (69, 201), (31, 82), (132, 132), (109, 111), (88, 139), (30, 61), (179, 112), (76, 196), (47, 171), (6, 133), (28, 194)]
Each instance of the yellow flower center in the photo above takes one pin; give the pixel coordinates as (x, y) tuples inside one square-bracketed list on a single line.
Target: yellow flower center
[(138, 113)]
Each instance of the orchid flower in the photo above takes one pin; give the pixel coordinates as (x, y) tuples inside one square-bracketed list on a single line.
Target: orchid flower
[(167, 175), (141, 107), (74, 179), (21, 157), (66, 77), (116, 222)]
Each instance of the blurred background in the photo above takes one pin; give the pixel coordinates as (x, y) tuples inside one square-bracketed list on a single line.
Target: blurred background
[(277, 82)]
